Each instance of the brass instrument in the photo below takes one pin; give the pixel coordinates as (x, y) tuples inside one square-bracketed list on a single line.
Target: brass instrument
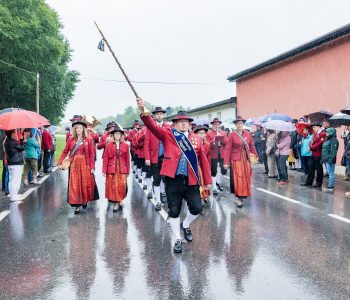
[(91, 120)]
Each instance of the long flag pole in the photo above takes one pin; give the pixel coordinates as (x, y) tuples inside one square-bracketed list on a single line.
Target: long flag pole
[(117, 61)]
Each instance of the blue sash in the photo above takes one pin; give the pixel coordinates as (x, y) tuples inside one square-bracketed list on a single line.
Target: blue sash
[(187, 149)]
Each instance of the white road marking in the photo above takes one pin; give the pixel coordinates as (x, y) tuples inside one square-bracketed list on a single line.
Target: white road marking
[(285, 198), (43, 179), (28, 192), (3, 214), (339, 218), (162, 212)]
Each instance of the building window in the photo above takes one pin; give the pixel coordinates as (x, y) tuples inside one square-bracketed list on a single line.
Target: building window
[(219, 115), (209, 117)]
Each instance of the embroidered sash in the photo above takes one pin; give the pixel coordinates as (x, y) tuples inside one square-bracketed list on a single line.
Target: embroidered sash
[(187, 149)]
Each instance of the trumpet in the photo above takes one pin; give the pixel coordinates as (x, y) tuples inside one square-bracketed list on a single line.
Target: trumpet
[(91, 120)]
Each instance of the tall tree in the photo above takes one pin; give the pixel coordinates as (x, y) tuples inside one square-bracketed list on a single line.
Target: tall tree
[(31, 38)]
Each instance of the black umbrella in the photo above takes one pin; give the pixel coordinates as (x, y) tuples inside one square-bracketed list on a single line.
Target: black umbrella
[(319, 116), (346, 110), (340, 119)]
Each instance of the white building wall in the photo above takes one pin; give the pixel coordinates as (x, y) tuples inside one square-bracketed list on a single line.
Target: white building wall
[(224, 113)]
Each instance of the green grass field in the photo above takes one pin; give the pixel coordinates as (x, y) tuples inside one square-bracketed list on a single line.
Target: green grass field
[(60, 142)]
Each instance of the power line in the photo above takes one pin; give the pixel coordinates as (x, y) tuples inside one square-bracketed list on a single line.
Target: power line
[(11, 65), (155, 82)]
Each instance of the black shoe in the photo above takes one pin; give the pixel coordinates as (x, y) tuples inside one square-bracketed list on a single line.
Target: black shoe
[(77, 211), (149, 196), (144, 187), (265, 173), (162, 198), (115, 210), (305, 184), (40, 176), (134, 171), (140, 180), (121, 207), (178, 247), (158, 206), (215, 192), (220, 187), (187, 233), (136, 176)]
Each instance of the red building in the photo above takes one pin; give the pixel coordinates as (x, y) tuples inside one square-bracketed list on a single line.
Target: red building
[(311, 77), (314, 76)]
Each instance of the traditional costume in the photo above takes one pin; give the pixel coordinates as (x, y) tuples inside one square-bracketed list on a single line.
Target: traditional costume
[(183, 155), (237, 156), (81, 183), (206, 147), (154, 152), (217, 139), (116, 166)]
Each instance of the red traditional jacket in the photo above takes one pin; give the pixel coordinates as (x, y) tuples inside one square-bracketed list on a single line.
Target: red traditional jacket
[(214, 148), (151, 145), (140, 142), (130, 137), (134, 144), (47, 141), (172, 152), (102, 143), (110, 157), (88, 150), (206, 148), (234, 147), (316, 143)]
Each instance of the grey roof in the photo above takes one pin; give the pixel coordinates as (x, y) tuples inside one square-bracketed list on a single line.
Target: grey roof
[(211, 105), (324, 39)]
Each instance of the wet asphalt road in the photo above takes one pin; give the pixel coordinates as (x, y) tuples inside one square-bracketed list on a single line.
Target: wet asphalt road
[(286, 243)]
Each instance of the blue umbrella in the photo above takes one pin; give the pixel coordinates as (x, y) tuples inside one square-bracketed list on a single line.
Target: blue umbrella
[(280, 117)]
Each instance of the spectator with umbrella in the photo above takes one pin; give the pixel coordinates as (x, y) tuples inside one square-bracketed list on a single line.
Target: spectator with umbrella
[(305, 152), (329, 156), (283, 141), (15, 161), (316, 148), (271, 154)]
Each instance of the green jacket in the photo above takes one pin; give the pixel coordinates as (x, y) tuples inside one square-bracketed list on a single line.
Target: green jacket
[(330, 147), (31, 148)]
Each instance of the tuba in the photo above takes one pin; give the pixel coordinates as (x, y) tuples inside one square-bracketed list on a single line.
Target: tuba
[(91, 120)]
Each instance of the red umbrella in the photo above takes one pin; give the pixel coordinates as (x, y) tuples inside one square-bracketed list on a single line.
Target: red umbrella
[(22, 119), (301, 125)]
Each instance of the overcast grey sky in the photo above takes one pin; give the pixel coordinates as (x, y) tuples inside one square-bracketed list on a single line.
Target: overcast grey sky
[(182, 41)]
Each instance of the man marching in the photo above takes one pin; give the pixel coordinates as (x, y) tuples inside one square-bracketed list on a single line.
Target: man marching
[(154, 154), (183, 155), (218, 140)]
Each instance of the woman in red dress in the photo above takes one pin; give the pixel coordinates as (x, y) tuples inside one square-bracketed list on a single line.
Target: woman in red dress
[(239, 148), (81, 181), (116, 168)]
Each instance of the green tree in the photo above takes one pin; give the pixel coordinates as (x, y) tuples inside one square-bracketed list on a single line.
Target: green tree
[(31, 38)]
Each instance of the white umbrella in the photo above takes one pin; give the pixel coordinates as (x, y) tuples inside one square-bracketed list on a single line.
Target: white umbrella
[(279, 125)]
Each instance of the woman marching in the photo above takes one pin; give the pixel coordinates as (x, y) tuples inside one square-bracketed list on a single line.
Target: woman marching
[(81, 182), (239, 149), (116, 168)]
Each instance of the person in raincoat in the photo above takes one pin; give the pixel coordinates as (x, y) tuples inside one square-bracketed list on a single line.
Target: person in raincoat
[(329, 156)]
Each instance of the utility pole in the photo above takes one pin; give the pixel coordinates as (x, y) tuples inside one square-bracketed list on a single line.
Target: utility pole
[(37, 92)]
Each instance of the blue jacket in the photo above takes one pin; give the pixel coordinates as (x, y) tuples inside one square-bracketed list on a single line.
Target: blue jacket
[(305, 146)]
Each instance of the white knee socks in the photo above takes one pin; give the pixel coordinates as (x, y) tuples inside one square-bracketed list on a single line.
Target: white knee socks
[(213, 179), (149, 185), (157, 193), (175, 227), (162, 187), (189, 219)]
